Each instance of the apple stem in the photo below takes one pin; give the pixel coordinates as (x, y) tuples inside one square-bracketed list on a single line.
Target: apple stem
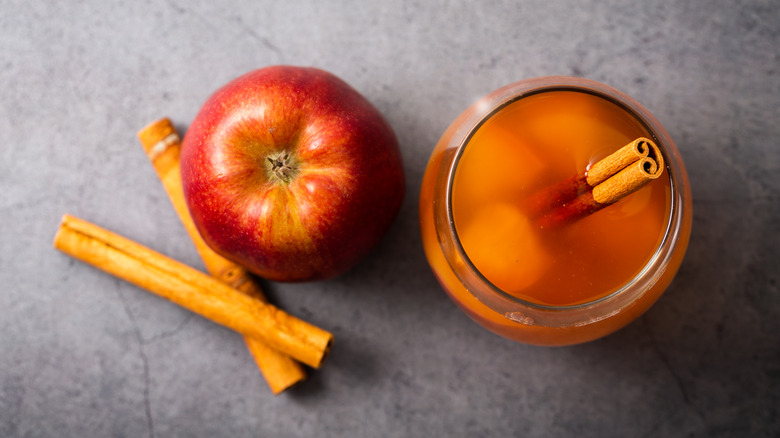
[(281, 167)]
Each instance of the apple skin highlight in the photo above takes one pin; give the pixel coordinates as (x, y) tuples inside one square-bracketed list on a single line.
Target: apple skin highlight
[(291, 173)]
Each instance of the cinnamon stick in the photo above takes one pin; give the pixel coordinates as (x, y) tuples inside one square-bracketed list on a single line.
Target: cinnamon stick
[(192, 290), (611, 179), (162, 145), (632, 152)]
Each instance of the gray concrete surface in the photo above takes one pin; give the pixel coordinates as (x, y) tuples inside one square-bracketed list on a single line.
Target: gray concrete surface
[(83, 354)]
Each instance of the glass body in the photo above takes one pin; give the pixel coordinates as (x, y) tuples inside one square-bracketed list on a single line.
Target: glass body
[(525, 320)]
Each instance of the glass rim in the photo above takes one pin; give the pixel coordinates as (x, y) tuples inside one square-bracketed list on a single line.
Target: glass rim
[(560, 83)]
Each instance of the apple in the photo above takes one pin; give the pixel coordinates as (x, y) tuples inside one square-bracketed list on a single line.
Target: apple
[(291, 173)]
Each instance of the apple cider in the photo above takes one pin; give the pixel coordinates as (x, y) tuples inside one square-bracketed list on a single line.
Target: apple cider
[(537, 284)]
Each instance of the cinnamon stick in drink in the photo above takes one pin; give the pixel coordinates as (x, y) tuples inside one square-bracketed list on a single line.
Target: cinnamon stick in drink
[(632, 152), (569, 189), (618, 175), (193, 290), (162, 145)]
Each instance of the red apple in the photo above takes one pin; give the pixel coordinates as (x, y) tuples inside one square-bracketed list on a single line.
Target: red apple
[(291, 173)]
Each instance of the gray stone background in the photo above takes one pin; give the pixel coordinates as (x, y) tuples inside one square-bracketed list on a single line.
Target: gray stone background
[(84, 354)]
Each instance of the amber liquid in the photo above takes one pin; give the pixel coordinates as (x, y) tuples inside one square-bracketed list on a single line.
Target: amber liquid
[(529, 145)]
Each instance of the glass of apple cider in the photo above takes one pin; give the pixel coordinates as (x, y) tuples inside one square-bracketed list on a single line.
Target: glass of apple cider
[(561, 285)]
